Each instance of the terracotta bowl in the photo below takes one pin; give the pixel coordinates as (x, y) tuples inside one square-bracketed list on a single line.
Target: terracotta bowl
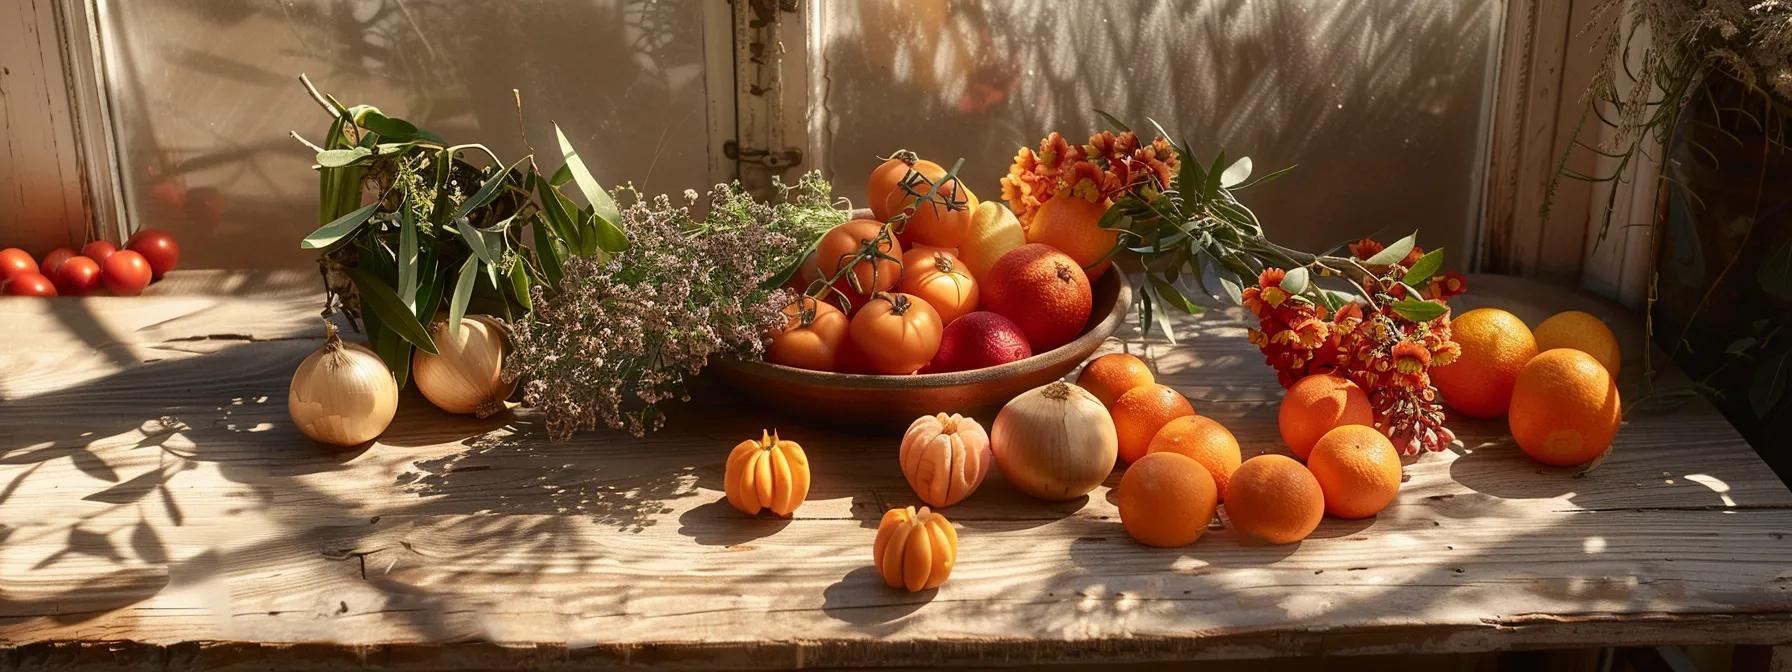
[(882, 403)]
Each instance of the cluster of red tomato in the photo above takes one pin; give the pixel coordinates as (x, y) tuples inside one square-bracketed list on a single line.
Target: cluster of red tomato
[(931, 284), (147, 256)]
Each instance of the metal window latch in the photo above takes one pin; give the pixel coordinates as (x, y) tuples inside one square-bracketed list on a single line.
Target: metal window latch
[(775, 159)]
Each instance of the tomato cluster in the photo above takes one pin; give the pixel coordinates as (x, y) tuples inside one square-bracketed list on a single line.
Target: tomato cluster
[(148, 255), (906, 292)]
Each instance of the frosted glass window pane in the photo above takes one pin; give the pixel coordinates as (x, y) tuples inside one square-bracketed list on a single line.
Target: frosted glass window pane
[(1382, 102), (206, 90)]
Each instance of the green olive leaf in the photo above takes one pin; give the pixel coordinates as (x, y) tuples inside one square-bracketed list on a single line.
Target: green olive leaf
[(1419, 310), (463, 293), (338, 228), (379, 299), (1425, 267), (1296, 281), (1395, 253)]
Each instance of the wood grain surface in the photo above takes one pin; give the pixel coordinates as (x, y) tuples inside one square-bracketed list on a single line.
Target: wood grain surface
[(158, 510)]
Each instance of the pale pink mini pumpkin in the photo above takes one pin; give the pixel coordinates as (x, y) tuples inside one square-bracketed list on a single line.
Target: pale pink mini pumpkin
[(945, 458)]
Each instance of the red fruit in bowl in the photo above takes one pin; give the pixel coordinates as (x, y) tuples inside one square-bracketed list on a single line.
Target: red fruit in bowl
[(1043, 290), (77, 276), (54, 260), (978, 340), (158, 248), (125, 273), (99, 251)]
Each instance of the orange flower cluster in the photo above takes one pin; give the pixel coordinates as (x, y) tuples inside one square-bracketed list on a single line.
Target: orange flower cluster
[(1109, 164), (1441, 287), (1385, 353)]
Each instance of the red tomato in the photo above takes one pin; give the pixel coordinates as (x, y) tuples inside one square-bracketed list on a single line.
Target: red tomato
[(98, 251), (76, 277), (125, 273), (158, 248), (15, 262), (53, 261), (30, 283)]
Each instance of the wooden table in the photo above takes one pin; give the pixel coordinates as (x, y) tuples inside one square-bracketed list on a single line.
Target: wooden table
[(160, 511)]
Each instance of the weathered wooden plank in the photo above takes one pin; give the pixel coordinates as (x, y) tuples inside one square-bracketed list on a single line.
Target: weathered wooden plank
[(223, 538)]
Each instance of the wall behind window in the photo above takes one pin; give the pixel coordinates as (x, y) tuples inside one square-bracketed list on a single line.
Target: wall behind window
[(1381, 102), (206, 90)]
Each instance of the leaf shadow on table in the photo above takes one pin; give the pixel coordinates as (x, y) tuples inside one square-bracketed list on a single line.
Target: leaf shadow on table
[(861, 598), (516, 470)]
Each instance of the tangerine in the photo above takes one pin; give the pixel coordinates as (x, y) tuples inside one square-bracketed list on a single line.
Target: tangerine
[(1043, 291), (1274, 498), (1166, 499), (1141, 412), (1113, 374), (1565, 408), (1205, 440), (1073, 225), (1357, 469), (1495, 345), (1583, 332), (1318, 403)]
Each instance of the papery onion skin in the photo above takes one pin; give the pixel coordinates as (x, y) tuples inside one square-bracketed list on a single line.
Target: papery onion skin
[(1055, 442), (342, 394), (466, 374), (944, 457)]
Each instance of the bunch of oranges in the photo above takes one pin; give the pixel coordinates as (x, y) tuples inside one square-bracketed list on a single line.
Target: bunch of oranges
[(939, 281), (1184, 466), (1556, 386)]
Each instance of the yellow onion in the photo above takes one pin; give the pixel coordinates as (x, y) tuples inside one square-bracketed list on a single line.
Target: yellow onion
[(466, 373), (1055, 442), (342, 394), (944, 457)]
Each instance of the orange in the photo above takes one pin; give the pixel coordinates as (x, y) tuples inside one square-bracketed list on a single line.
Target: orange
[(1111, 375), (1318, 403), (1141, 412), (1357, 469), (1495, 345), (1565, 408), (1204, 439), (1166, 500), (1073, 225), (1583, 332), (1042, 290), (1274, 498)]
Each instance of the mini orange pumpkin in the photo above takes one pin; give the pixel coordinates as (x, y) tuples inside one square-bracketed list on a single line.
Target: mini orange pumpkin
[(915, 549), (937, 275), (770, 473), (945, 458)]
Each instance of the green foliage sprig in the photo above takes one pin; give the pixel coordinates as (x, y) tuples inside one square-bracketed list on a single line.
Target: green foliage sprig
[(412, 230), (1200, 224)]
